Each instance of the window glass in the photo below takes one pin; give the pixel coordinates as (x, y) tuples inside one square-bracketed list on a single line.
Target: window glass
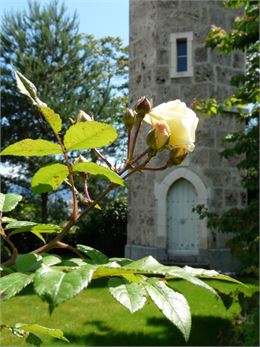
[(182, 55)]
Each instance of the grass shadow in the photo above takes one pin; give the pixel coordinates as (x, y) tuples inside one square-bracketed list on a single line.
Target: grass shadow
[(206, 331)]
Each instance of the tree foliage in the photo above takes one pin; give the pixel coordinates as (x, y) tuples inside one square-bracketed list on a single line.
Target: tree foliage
[(44, 43)]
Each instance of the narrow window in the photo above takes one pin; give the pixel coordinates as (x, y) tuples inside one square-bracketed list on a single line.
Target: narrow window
[(182, 55)]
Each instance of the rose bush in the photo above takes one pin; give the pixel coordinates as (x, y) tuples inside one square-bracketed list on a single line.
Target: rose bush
[(181, 120)]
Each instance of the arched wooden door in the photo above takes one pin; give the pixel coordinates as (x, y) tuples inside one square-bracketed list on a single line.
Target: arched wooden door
[(182, 223)]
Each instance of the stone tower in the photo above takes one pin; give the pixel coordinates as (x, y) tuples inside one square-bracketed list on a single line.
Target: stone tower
[(168, 61)]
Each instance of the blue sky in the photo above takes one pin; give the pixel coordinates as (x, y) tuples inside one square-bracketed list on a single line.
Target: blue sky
[(97, 17)]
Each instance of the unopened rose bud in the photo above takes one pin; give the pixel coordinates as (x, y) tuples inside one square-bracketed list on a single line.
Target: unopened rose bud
[(177, 155), (143, 106), (80, 159), (158, 137), (129, 118), (83, 117)]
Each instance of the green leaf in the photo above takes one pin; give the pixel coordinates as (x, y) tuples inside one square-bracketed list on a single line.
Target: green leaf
[(111, 271), (39, 329), (74, 262), (29, 147), (55, 286), (19, 224), (50, 259), (46, 228), (28, 262), (146, 265), (95, 169), (130, 295), (181, 273), (49, 178), (36, 229), (211, 274), (9, 201), (85, 135), (51, 117), (7, 219), (172, 304), (27, 88), (121, 261), (95, 255), (12, 284)]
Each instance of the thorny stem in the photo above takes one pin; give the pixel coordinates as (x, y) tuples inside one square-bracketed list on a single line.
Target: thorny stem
[(100, 155), (129, 164), (86, 190), (134, 140), (12, 260), (155, 168), (128, 142), (138, 168), (140, 156), (74, 212), (59, 244)]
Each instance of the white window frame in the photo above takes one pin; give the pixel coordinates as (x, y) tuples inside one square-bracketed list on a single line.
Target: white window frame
[(173, 67)]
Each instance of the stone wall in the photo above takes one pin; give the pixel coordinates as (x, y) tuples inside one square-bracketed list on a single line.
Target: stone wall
[(151, 23)]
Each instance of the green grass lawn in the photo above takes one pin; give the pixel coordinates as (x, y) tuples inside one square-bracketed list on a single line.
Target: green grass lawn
[(95, 318)]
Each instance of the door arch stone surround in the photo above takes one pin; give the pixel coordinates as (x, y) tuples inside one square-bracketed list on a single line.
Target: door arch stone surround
[(161, 190)]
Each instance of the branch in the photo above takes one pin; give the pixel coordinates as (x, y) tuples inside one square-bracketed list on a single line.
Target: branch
[(156, 168), (103, 158), (70, 223), (134, 140), (74, 212), (138, 168), (12, 260)]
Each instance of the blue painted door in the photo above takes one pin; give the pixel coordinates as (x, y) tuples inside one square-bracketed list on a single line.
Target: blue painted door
[(182, 223)]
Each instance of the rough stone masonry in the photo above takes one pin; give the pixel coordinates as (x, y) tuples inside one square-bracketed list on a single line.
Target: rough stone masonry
[(214, 181)]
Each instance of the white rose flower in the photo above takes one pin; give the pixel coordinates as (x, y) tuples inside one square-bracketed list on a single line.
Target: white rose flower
[(181, 120)]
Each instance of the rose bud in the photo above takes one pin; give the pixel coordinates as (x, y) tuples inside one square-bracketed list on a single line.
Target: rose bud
[(83, 117), (143, 106), (80, 159), (158, 137), (129, 118), (177, 155)]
